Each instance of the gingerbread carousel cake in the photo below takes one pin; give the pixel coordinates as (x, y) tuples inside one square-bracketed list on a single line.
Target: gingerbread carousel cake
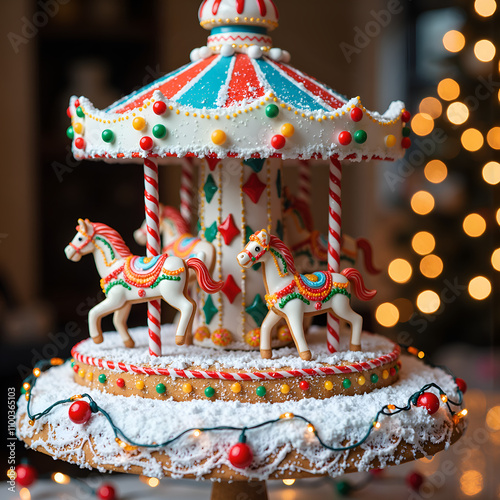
[(241, 387)]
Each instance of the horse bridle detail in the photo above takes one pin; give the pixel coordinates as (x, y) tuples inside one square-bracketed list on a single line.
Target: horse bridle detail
[(265, 248), (85, 243)]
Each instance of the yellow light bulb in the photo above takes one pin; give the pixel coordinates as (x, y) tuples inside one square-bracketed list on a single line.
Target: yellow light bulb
[(485, 8), (422, 124), (387, 314), (453, 41), (472, 139), (431, 266), (422, 202), (495, 259), (423, 243), (431, 106), (474, 225), (479, 288), (400, 270), (448, 89), (436, 171), (491, 173), (457, 113), (493, 137), (428, 302), (484, 50)]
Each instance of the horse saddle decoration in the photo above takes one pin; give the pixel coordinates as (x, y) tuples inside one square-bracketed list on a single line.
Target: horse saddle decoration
[(142, 272)]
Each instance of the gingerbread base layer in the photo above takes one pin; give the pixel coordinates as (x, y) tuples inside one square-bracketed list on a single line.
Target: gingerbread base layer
[(186, 373), (283, 449)]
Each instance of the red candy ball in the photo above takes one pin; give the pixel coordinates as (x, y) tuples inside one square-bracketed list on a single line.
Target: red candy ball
[(278, 142), (461, 384), (80, 412), (68, 112), (304, 385), (159, 107), (405, 142), (146, 143), (26, 475), (77, 103), (79, 143), (356, 114), (76, 368), (429, 401), (240, 455), (106, 492), (414, 481), (345, 138), (406, 116), (120, 382)]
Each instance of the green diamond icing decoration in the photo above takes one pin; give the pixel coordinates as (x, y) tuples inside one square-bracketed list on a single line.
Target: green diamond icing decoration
[(257, 309), (279, 184), (211, 232), (210, 188), (279, 230), (210, 310), (256, 164)]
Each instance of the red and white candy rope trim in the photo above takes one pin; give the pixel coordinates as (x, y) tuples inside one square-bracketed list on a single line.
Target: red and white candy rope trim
[(334, 244), (187, 191), (152, 207), (201, 374), (304, 193)]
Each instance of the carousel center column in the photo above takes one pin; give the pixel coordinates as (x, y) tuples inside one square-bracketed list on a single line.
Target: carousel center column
[(237, 198)]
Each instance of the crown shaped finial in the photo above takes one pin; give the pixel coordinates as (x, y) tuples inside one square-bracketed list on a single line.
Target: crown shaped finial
[(241, 13)]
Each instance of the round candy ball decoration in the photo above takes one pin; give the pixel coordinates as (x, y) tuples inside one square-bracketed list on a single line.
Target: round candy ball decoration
[(360, 136), (26, 475), (461, 384), (106, 492), (139, 385), (272, 111), (80, 412), (345, 138), (70, 132), (187, 388), (252, 338), (406, 116), (107, 135), (159, 131), (429, 401), (159, 108), (284, 334), (405, 142), (161, 389), (209, 392), (304, 385), (219, 137), (78, 127), (415, 481), (79, 143), (79, 112), (222, 337), (346, 383), (390, 141), (146, 143), (236, 387), (261, 391), (102, 378), (202, 333), (356, 114), (288, 130), (138, 123), (278, 141), (241, 455), (120, 383)]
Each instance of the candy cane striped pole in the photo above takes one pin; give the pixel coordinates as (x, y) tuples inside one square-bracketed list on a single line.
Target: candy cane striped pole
[(152, 207), (187, 189), (334, 244), (304, 181)]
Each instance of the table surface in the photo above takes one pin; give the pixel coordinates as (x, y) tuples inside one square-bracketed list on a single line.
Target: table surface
[(468, 470)]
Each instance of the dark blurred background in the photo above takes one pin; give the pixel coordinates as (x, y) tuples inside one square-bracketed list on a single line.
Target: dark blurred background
[(433, 218)]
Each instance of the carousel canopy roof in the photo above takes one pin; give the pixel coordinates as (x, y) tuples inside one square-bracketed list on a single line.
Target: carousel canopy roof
[(238, 97)]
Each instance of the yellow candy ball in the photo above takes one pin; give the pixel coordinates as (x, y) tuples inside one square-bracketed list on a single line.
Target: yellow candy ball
[(81, 373), (202, 333), (78, 128), (138, 123), (288, 130), (284, 334), (187, 388), (361, 380), (219, 137), (328, 385), (236, 387), (252, 338), (139, 385), (90, 376), (285, 389), (222, 337), (385, 374), (390, 141)]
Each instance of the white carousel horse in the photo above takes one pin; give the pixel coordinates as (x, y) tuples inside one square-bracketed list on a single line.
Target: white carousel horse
[(177, 238), (127, 279), (310, 247), (292, 296)]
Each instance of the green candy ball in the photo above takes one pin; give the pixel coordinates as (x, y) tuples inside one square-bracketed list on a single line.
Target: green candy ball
[(360, 136), (108, 135), (161, 389), (343, 488), (102, 378), (209, 392), (406, 131), (159, 131), (70, 133), (79, 112), (261, 391), (272, 111), (374, 378), (346, 383)]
